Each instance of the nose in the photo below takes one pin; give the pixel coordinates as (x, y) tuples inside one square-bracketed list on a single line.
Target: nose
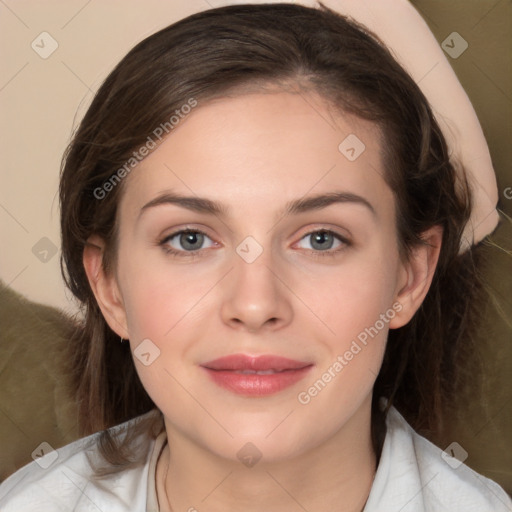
[(255, 296)]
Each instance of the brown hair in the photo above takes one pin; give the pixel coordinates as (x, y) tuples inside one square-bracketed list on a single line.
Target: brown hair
[(294, 48)]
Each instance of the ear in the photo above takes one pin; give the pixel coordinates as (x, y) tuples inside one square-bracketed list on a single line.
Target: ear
[(416, 276), (104, 287)]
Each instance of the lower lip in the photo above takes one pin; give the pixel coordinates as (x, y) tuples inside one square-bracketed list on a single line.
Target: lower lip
[(252, 384)]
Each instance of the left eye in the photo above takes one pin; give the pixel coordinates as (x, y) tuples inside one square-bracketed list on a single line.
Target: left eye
[(323, 240)]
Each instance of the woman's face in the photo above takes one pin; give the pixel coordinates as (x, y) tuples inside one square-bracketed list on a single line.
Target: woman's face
[(299, 261)]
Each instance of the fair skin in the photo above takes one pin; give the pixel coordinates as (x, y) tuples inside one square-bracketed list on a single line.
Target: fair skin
[(253, 154)]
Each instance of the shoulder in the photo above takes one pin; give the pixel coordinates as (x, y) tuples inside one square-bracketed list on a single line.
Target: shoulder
[(62, 479), (415, 475)]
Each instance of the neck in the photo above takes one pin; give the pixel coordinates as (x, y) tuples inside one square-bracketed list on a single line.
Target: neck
[(337, 475)]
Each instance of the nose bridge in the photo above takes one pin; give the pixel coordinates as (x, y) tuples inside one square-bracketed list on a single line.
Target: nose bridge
[(256, 297)]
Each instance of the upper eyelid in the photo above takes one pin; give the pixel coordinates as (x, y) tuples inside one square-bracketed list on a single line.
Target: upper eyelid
[(186, 230)]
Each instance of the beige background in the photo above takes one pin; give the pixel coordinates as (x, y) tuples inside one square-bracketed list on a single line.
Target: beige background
[(41, 100)]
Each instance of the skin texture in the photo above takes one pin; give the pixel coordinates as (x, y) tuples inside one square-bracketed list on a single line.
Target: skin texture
[(254, 153)]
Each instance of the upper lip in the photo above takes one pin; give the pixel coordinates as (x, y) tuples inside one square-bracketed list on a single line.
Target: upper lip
[(242, 362)]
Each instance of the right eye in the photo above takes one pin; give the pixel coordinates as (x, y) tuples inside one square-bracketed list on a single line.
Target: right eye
[(185, 241)]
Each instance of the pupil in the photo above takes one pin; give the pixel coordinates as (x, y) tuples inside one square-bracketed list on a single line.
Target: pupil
[(188, 240), (320, 238)]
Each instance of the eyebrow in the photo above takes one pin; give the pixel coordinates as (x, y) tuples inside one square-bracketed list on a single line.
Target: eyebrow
[(305, 204)]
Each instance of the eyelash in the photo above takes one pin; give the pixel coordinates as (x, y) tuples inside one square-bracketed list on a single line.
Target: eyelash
[(197, 253)]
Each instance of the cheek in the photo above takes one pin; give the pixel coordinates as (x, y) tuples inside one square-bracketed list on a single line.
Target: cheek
[(158, 296), (357, 308), (352, 298), (160, 307), (355, 304)]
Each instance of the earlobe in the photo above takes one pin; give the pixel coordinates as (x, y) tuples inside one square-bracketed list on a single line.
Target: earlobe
[(417, 275), (104, 286)]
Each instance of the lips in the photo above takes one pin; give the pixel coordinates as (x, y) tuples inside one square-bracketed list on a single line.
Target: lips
[(242, 362), (256, 375)]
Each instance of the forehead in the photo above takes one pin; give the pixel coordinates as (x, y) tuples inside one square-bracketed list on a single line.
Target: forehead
[(251, 148)]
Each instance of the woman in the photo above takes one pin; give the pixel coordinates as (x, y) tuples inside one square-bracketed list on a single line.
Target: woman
[(261, 201)]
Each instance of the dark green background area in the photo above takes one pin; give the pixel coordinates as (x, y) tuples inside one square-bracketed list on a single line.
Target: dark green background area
[(484, 429)]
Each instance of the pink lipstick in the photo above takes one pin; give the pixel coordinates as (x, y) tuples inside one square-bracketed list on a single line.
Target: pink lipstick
[(256, 375)]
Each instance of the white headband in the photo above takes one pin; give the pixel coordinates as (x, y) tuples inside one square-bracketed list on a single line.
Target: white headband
[(413, 45)]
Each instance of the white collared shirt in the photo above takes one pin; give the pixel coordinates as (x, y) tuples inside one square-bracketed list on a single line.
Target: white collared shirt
[(413, 476)]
